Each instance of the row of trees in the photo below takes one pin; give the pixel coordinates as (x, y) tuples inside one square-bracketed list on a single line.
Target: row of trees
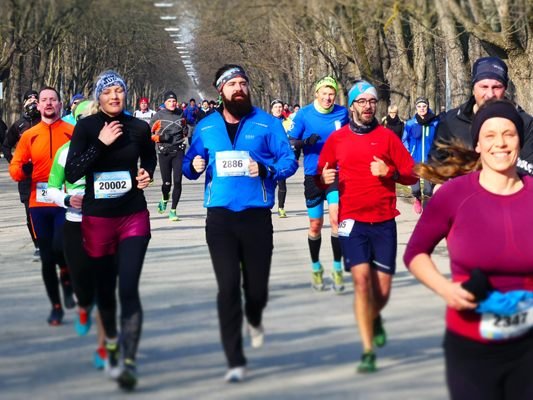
[(67, 43), (406, 48)]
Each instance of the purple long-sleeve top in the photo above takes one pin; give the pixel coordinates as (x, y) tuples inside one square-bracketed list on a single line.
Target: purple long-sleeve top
[(483, 230)]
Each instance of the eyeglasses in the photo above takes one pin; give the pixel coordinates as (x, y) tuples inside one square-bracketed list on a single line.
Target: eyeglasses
[(364, 102)]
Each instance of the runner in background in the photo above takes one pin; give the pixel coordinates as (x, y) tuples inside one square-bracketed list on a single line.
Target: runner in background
[(75, 256), (33, 159), (311, 127)]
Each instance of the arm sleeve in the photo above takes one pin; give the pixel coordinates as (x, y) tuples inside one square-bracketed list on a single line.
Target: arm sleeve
[(405, 136), (297, 129), (56, 179), (22, 156), (442, 134), (402, 163), (81, 154), (10, 141), (434, 224), (197, 148), (148, 155), (327, 155), (285, 164)]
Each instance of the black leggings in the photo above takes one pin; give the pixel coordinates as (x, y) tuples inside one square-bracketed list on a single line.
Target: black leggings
[(282, 193), (126, 265), (78, 264), (239, 242), (169, 163), (48, 223), (478, 371), (28, 222)]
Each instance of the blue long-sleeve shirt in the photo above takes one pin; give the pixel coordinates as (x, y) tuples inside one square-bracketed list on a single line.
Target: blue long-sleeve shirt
[(308, 121), (260, 137)]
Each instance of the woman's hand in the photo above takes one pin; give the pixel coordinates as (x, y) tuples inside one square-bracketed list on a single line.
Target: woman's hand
[(110, 132), (143, 178)]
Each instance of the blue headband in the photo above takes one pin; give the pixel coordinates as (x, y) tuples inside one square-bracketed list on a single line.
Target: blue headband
[(108, 79), (228, 75), (358, 89)]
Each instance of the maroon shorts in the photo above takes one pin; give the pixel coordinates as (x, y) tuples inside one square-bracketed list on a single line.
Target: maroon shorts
[(101, 235)]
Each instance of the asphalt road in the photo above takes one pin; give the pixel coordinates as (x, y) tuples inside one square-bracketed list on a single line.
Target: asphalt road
[(311, 345)]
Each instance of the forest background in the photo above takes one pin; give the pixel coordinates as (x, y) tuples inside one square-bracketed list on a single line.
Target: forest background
[(406, 48)]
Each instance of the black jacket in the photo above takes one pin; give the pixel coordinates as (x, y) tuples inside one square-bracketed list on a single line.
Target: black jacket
[(457, 124), (15, 132), (12, 138)]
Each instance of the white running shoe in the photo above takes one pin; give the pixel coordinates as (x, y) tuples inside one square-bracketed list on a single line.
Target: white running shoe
[(257, 336), (235, 375)]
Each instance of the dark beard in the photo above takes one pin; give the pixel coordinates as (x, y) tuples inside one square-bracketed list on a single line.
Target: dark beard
[(238, 107)]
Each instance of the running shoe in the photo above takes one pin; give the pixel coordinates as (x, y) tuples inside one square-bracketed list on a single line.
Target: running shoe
[(162, 206), (318, 280), (112, 365), (68, 296), (36, 255), (56, 315), (172, 216), (82, 325), (338, 281), (380, 336), (100, 358), (257, 335), (368, 363), (417, 206), (235, 375), (127, 379), (282, 213)]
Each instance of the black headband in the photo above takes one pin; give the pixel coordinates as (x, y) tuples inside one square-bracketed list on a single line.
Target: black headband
[(493, 109)]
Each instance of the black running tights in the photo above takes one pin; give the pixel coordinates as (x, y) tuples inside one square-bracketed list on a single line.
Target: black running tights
[(126, 265), (170, 167)]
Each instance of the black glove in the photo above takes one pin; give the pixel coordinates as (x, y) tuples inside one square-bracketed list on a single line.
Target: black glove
[(311, 140), (478, 284), (27, 168), (265, 172)]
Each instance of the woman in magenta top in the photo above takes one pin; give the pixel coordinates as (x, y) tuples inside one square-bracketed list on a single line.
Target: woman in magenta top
[(487, 221)]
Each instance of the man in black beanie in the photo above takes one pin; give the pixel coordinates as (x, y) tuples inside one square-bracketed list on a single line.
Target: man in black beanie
[(169, 131), (489, 81)]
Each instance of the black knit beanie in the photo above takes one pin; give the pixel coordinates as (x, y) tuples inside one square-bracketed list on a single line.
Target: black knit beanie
[(497, 108)]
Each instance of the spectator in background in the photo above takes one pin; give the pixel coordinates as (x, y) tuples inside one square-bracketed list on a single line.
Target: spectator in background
[(418, 138), (144, 112), (295, 109), (286, 111), (205, 110), (393, 121), (191, 116)]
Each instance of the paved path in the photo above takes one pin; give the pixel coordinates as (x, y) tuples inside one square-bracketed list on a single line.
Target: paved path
[(311, 345)]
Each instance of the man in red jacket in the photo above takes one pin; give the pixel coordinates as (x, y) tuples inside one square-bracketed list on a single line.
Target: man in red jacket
[(369, 160)]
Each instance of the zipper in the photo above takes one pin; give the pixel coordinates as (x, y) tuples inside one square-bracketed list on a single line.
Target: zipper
[(209, 192), (264, 191), (50, 130)]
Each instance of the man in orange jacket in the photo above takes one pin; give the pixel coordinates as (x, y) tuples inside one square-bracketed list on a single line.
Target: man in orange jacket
[(33, 158)]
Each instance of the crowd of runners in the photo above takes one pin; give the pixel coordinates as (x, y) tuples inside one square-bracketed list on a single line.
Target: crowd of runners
[(82, 179)]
